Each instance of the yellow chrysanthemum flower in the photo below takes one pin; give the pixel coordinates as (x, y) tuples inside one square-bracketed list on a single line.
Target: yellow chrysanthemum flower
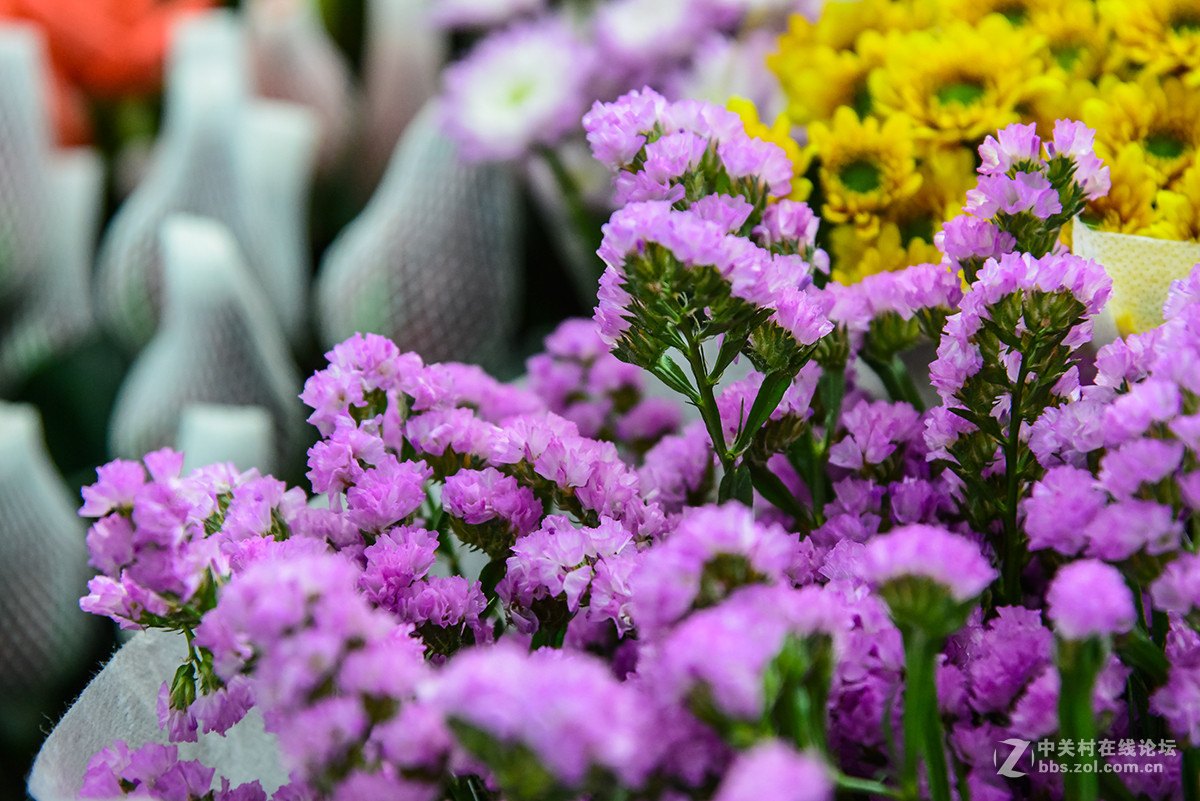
[(960, 82), (779, 133), (843, 21), (819, 79), (1077, 42), (1160, 36), (856, 256), (1061, 101), (1164, 118), (1177, 210), (865, 167), (1128, 208)]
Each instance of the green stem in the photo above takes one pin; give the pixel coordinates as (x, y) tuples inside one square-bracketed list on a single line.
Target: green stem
[(708, 403), (1191, 774), (1078, 664), (922, 722), (865, 786), (1013, 561)]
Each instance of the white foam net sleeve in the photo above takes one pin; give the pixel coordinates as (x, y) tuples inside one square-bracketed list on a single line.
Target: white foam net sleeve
[(24, 158), (212, 433), (403, 57), (43, 562), (281, 148), (56, 310), (432, 261), (295, 60), (120, 704), (199, 169), (219, 343)]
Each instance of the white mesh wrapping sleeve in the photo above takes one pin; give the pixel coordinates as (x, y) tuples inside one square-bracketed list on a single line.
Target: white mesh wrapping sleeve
[(43, 561), (432, 261), (218, 344), (295, 60), (120, 704), (211, 433), (199, 170), (403, 56), (24, 158), (281, 147), (56, 310)]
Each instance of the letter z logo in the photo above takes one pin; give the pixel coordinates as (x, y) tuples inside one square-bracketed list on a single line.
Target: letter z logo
[(1008, 768)]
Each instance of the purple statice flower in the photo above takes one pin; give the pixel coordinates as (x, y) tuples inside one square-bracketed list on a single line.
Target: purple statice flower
[(361, 365), (447, 603), (1088, 598), (730, 212), (727, 648), (1182, 293), (336, 462), (1011, 651), (448, 433), (1075, 141), (219, 711), (479, 496), (1066, 434), (447, 385), (386, 493), (517, 89), (929, 552), (786, 222), (1035, 714), (1178, 588), (152, 771), (873, 432), (1011, 146), (564, 706), (649, 420), (774, 771), (1147, 402), (966, 237), (617, 131), (1059, 509), (179, 724), (1125, 361), (1178, 701), (1143, 461), (613, 316), (255, 505), (117, 485), (675, 574), (1025, 191), (559, 561), (394, 563), (1122, 529), (675, 469)]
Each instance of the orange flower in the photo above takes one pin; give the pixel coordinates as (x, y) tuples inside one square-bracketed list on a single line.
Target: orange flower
[(101, 48)]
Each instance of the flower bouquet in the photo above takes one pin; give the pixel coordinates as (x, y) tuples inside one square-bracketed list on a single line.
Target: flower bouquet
[(808, 592)]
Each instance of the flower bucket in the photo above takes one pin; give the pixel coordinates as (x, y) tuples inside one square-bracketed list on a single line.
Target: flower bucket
[(1142, 269)]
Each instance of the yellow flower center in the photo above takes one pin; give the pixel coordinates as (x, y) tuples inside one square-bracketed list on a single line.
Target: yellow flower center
[(963, 92), (861, 176), (1066, 54), (1185, 21), (1013, 12), (1164, 144)]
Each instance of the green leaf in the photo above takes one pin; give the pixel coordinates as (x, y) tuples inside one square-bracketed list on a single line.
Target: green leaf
[(736, 486), (771, 487), (730, 348), (769, 394), (673, 376)]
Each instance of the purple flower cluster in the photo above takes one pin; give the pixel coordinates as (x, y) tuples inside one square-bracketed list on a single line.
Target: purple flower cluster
[(579, 379), (156, 771), (1023, 197)]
